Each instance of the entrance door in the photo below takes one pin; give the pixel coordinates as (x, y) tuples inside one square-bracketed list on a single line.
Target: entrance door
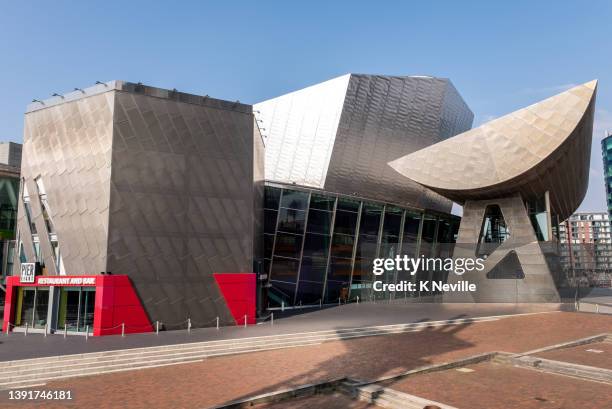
[(32, 307), (76, 309)]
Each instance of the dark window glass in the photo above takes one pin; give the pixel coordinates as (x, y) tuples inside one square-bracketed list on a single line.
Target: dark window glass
[(348, 204), (346, 222), (363, 270), (316, 245), (288, 245), (313, 269), (322, 202), (270, 221), (279, 292), (444, 230), (370, 219), (411, 227), (342, 246), (319, 221), (284, 270), (294, 199), (429, 229), (339, 269), (309, 293), (391, 225), (366, 245), (336, 290), (389, 247), (267, 263), (268, 244), (291, 220), (272, 197)]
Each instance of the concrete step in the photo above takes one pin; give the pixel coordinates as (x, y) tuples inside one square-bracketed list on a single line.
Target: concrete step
[(38, 370)]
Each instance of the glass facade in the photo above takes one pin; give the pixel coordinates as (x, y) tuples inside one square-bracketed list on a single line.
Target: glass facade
[(606, 152), (320, 247)]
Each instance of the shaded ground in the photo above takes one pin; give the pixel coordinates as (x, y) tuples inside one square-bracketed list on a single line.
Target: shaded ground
[(334, 400), (222, 379), (17, 346), (598, 354), (496, 386)]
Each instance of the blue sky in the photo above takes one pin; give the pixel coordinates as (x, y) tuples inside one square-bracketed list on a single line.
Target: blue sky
[(501, 56)]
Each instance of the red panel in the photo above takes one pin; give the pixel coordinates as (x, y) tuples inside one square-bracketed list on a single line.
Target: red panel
[(117, 303), (239, 291), (10, 301)]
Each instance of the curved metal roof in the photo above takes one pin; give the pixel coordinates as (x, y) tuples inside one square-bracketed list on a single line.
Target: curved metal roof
[(545, 146)]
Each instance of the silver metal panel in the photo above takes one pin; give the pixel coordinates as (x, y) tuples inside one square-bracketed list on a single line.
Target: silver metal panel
[(300, 129), (69, 147), (385, 118)]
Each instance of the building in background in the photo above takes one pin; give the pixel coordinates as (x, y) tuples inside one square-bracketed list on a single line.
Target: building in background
[(10, 162), (586, 248), (606, 153)]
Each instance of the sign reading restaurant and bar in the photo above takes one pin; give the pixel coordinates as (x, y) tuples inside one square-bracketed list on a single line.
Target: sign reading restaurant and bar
[(31, 278), (28, 273)]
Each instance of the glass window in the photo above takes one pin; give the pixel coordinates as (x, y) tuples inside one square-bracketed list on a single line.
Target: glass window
[(319, 221), (363, 270), (291, 220), (288, 245), (411, 233), (313, 269), (366, 246), (342, 246), (322, 202), (348, 204), (316, 245), (268, 244), (270, 217), (272, 197), (391, 225), (346, 222), (284, 270), (309, 292), (294, 199), (280, 292), (339, 269), (335, 290), (370, 219)]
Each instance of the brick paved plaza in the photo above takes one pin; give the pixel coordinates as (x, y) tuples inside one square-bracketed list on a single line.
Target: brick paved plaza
[(239, 376)]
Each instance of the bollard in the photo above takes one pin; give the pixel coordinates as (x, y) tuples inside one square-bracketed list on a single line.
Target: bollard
[(245, 320), (26, 330), (45, 330), (357, 299), (597, 308), (320, 303), (338, 300), (189, 325), (86, 333), (156, 327), (283, 306), (272, 318), (217, 323), (123, 329), (65, 330), (8, 327)]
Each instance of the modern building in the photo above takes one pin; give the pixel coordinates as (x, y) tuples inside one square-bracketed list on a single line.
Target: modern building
[(586, 248), (606, 153), (342, 205), (141, 206), (137, 205), (10, 162), (516, 177)]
